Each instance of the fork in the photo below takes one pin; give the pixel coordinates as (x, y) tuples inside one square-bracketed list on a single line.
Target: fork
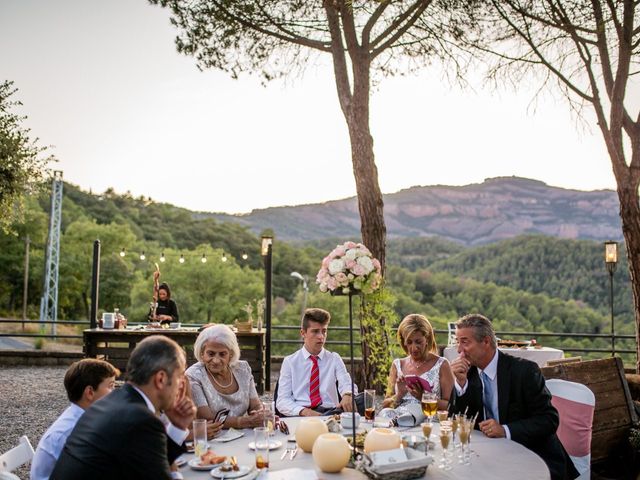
[(293, 452), (286, 451)]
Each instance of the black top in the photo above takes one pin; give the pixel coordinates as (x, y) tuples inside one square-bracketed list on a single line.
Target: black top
[(167, 307)]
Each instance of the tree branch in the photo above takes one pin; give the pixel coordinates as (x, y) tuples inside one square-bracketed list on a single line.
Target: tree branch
[(408, 19)]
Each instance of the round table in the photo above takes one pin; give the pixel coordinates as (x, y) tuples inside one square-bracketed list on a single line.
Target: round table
[(493, 458)]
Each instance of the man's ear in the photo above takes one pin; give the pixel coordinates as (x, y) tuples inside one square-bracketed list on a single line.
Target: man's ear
[(160, 379), (88, 393)]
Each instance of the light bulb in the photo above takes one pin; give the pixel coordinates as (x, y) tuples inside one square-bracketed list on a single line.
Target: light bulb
[(245, 256), (122, 253), (142, 256), (203, 259), (181, 259), (224, 257), (162, 259)]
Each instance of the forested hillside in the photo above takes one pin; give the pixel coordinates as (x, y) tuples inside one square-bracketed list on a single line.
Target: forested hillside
[(530, 283)]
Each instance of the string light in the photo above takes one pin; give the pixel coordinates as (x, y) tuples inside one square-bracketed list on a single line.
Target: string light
[(142, 256), (181, 258), (204, 258), (162, 259), (122, 253), (224, 257), (244, 255)]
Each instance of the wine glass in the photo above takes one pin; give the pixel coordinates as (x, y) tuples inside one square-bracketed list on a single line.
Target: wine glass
[(445, 441), (464, 434), (429, 405)]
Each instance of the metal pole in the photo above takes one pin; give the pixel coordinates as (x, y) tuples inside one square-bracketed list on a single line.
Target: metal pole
[(613, 338), (353, 376), (95, 284), (25, 284), (267, 312)]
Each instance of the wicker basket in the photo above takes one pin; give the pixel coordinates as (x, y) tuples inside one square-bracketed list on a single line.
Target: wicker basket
[(414, 467)]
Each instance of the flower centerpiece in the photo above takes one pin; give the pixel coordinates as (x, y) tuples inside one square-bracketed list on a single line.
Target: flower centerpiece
[(349, 267)]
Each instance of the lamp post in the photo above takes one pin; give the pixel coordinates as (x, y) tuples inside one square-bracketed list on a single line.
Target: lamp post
[(305, 287), (611, 261), (266, 251)]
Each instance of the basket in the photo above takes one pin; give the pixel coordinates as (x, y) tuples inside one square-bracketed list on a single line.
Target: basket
[(414, 467)]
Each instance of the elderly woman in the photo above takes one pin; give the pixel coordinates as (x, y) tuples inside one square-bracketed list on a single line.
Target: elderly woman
[(220, 380), (416, 338)]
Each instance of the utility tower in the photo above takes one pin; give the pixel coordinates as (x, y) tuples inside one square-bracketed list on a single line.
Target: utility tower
[(49, 300)]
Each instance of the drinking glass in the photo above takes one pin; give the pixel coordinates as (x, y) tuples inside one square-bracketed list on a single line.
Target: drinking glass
[(442, 415), (269, 412), (369, 405), (200, 436), (429, 405), (445, 440), (427, 427), (464, 433), (261, 442)]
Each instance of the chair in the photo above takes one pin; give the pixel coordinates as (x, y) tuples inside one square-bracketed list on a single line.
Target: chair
[(558, 361), (575, 404), (17, 456)]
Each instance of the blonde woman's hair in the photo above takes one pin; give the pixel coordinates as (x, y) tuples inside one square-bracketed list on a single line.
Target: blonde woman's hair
[(413, 323)]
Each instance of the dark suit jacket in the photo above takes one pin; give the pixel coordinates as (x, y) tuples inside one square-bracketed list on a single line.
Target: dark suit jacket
[(524, 405), (118, 437)]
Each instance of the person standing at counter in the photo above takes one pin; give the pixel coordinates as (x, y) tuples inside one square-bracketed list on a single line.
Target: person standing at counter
[(166, 310)]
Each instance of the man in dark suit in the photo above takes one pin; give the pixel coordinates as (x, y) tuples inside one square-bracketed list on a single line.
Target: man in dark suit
[(120, 436), (508, 393)]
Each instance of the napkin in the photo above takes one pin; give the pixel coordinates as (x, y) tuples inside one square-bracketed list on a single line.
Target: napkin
[(408, 415), (229, 435)]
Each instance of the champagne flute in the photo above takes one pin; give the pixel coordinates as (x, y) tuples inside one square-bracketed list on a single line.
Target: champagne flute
[(465, 428), (445, 440)]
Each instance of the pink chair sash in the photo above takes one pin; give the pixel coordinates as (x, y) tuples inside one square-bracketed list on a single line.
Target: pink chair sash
[(576, 420)]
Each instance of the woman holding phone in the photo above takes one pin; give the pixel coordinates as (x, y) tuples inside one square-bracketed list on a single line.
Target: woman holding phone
[(222, 385), (422, 369)]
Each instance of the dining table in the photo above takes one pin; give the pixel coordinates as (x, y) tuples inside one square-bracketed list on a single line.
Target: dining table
[(491, 458), (540, 355)]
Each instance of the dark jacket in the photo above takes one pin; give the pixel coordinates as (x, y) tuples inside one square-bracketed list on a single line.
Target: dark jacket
[(524, 405), (118, 437)]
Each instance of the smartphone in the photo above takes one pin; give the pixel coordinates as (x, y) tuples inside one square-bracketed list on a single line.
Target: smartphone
[(221, 415), (412, 380)]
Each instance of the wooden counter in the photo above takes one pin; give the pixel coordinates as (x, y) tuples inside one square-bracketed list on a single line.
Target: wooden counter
[(115, 346)]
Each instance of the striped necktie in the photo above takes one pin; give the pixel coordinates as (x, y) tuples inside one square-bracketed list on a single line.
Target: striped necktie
[(314, 383)]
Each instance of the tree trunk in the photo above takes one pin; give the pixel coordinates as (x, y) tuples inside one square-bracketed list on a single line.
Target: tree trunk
[(630, 215)]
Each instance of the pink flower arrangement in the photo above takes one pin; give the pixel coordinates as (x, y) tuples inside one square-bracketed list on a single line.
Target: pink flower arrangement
[(349, 266)]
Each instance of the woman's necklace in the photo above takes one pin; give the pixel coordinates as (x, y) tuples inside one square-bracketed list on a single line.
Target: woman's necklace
[(416, 365), (217, 382)]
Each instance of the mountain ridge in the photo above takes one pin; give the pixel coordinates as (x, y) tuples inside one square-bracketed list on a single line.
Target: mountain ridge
[(473, 214)]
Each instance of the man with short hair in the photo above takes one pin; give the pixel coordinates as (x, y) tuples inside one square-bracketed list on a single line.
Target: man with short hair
[(121, 437), (312, 378), (508, 393), (86, 381)]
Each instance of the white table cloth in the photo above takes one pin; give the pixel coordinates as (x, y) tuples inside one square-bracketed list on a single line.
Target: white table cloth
[(538, 355), (493, 459)]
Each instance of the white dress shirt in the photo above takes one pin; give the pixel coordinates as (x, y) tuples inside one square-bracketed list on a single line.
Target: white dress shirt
[(491, 370), (295, 373), (52, 442)]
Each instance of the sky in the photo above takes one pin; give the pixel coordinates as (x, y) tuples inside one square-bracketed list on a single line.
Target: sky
[(102, 83)]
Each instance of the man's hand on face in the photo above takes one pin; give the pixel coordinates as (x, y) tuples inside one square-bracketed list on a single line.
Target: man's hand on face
[(460, 367), (183, 411)]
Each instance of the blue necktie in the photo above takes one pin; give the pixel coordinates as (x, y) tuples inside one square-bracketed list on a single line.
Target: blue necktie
[(487, 397)]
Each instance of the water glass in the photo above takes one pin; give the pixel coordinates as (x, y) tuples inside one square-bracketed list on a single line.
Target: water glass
[(200, 436), (369, 405), (261, 443), (269, 412)]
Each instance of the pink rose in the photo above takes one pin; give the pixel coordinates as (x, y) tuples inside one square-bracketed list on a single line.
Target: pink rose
[(358, 270)]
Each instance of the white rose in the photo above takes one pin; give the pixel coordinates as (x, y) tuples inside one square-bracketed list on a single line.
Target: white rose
[(336, 266), (351, 254), (366, 263)]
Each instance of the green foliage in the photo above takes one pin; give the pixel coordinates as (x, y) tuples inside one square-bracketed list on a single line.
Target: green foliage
[(22, 165)]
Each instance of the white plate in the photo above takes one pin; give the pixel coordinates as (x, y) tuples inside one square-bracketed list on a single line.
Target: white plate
[(273, 444), (229, 435), (243, 470), (180, 461), (195, 464)]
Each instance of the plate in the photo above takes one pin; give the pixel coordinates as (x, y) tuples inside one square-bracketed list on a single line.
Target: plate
[(195, 464), (273, 444), (241, 472), (180, 461)]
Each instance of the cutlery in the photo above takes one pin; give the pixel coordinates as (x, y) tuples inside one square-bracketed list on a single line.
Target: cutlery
[(286, 451), (294, 452)]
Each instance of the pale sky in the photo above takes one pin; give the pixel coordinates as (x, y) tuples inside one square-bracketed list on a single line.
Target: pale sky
[(102, 82)]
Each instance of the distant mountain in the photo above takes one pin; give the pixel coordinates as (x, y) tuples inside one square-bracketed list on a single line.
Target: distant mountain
[(497, 209)]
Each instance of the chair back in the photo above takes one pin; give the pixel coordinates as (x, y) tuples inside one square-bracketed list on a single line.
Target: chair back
[(575, 404), (17, 456)]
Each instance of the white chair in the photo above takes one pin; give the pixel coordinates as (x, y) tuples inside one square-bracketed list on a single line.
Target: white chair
[(17, 456), (575, 404)]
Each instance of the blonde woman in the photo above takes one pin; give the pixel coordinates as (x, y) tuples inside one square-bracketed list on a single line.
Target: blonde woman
[(416, 337)]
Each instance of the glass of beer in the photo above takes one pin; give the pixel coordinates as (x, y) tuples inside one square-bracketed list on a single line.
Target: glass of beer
[(369, 405), (429, 405), (261, 443)]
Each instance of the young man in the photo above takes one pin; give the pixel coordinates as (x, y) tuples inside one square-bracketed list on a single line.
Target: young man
[(312, 378), (86, 381), (121, 436), (508, 393)]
